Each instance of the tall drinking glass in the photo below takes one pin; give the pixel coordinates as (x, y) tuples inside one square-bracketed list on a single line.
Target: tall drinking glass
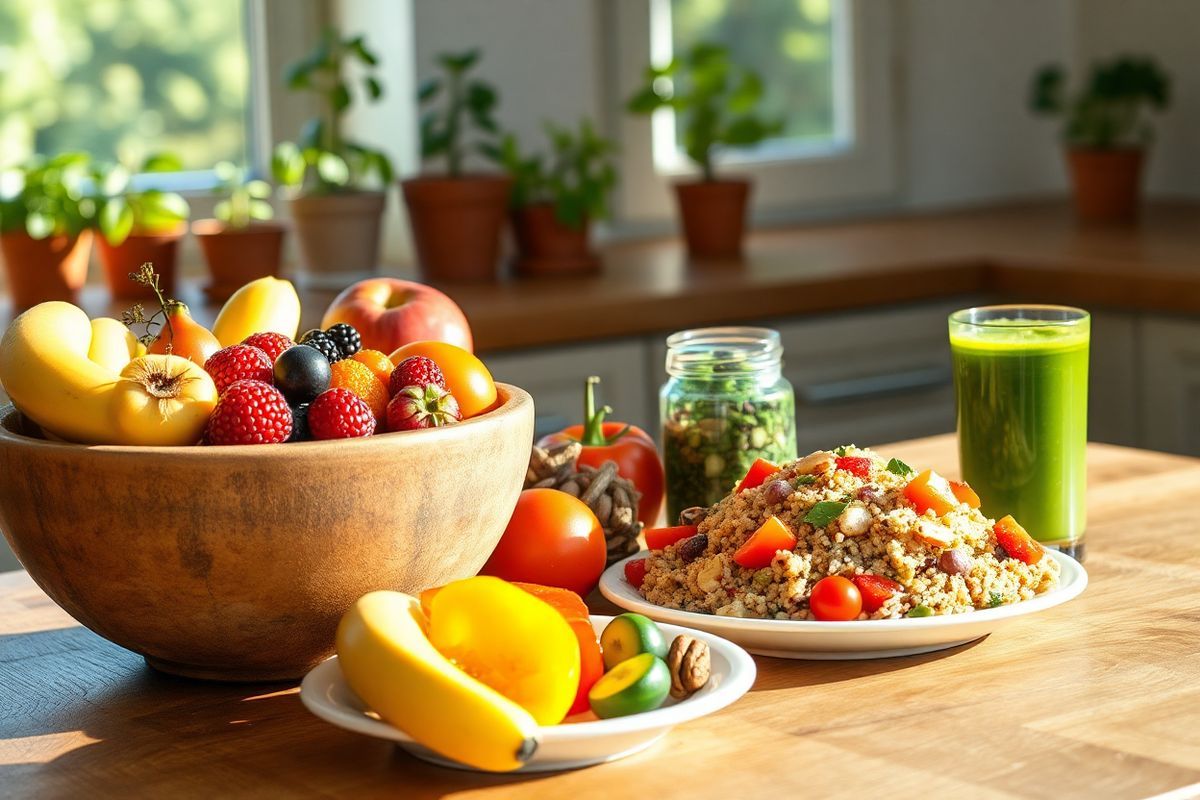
[(1021, 385)]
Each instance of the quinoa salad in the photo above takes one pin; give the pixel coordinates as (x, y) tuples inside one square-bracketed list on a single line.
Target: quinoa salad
[(912, 543)]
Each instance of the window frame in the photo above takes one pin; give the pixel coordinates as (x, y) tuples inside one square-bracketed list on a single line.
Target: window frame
[(788, 184)]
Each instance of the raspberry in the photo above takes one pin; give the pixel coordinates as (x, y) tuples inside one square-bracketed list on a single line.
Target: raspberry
[(348, 340), (428, 406), (321, 342), (340, 414), (249, 412), (270, 343), (300, 432), (236, 363), (855, 465), (416, 371), (378, 363), (359, 379)]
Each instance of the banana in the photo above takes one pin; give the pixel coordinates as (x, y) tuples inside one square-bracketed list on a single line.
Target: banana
[(113, 346), (388, 660), (267, 304), (45, 369), (162, 400)]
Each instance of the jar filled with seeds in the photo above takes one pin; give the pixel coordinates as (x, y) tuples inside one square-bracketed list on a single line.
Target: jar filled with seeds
[(725, 404)]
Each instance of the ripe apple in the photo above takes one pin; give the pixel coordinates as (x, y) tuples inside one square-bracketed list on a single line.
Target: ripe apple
[(390, 313)]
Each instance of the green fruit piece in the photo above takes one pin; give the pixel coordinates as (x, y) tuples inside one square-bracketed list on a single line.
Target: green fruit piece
[(635, 685), (629, 635)]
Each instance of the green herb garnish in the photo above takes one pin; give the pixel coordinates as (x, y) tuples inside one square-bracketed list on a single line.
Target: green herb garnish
[(898, 467), (804, 480), (920, 611), (995, 599), (842, 450), (824, 513)]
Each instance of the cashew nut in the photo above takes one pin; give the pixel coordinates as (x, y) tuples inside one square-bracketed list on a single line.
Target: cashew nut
[(811, 464), (709, 577)]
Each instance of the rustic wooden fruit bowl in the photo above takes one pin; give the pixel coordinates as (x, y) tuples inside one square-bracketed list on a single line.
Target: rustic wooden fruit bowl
[(236, 563)]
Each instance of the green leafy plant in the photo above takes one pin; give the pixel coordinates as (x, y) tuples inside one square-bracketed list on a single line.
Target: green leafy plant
[(47, 196), (714, 100), (126, 207), (322, 159), (576, 178), (245, 198), (464, 103), (1111, 110)]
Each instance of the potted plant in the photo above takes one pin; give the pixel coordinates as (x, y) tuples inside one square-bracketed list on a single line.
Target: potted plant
[(554, 200), (242, 243), (336, 187), (457, 217), (1106, 131), (45, 234), (139, 224), (715, 102)]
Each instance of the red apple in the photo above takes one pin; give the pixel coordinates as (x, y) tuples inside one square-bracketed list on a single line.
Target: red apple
[(390, 313)]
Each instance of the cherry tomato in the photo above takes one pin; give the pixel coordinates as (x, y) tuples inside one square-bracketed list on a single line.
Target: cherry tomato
[(466, 376), (553, 539), (859, 466), (757, 475), (662, 538), (835, 599), (635, 572)]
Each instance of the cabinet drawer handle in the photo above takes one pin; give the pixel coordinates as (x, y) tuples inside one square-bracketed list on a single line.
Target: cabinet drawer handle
[(871, 386)]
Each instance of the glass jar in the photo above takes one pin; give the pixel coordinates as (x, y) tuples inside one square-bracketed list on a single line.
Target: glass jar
[(725, 404)]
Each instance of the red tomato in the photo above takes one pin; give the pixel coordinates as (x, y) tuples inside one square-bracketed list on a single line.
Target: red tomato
[(835, 599), (662, 538), (553, 539), (757, 475), (466, 376), (1017, 542), (859, 466), (591, 662), (965, 493), (757, 551), (635, 572), (875, 590), (930, 490)]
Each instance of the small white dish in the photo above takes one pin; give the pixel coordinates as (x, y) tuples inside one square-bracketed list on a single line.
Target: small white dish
[(823, 641), (569, 746)]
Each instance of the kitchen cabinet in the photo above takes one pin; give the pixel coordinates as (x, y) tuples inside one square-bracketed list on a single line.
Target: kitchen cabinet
[(1113, 380), (1169, 350)]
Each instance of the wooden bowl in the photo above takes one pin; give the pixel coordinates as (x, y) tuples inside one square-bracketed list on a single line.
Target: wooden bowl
[(236, 563)]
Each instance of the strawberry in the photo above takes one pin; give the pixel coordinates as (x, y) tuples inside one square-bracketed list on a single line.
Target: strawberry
[(428, 406), (415, 371), (859, 466), (236, 363), (249, 412), (270, 343), (875, 590), (340, 414)]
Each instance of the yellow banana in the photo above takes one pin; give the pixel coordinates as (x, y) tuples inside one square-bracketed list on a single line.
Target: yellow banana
[(267, 304), (388, 660), (113, 346), (162, 400), (45, 369)]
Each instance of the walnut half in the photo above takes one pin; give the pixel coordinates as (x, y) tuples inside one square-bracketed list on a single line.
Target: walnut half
[(690, 665)]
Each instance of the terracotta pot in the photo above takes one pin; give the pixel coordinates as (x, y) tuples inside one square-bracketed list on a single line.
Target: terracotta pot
[(547, 247), (38, 270), (339, 233), (231, 563), (236, 256), (160, 249), (1106, 183), (713, 214), (456, 224)]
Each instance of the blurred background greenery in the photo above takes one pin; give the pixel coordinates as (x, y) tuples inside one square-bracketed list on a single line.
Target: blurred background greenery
[(124, 78)]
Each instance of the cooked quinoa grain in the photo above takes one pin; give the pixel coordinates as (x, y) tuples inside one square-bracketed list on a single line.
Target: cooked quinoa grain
[(950, 564)]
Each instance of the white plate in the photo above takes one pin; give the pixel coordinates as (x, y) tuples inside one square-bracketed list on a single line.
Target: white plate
[(578, 744), (879, 638)]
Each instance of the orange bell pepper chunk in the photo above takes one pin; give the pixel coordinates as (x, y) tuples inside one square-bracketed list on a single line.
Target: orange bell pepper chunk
[(930, 490), (965, 493), (757, 475), (1017, 542), (662, 538), (764, 543)]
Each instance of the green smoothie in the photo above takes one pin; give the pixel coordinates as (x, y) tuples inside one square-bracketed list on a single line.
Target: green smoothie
[(1021, 381)]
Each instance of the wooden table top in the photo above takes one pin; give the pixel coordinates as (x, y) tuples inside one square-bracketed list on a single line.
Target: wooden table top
[(1099, 697), (1034, 252)]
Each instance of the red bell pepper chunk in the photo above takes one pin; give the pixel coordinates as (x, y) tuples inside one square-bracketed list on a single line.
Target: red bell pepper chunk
[(859, 466), (875, 590), (930, 490), (757, 475), (635, 572), (965, 493), (1017, 542), (662, 538), (764, 543)]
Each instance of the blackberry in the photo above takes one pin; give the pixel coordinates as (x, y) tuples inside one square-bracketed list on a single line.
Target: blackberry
[(348, 340), (300, 431), (308, 334), (325, 345)]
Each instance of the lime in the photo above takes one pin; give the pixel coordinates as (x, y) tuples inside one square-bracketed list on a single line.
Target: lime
[(635, 685), (627, 636)]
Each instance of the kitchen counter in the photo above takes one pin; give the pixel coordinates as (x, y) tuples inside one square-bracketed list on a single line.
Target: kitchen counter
[(1100, 696)]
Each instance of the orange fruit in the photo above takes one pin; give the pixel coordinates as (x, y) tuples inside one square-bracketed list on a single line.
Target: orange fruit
[(378, 362), (358, 378)]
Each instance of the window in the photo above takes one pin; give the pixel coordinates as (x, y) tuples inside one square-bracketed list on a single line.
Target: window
[(121, 79)]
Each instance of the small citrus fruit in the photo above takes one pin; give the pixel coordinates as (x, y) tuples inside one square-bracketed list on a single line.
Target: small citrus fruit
[(376, 361), (359, 379)]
